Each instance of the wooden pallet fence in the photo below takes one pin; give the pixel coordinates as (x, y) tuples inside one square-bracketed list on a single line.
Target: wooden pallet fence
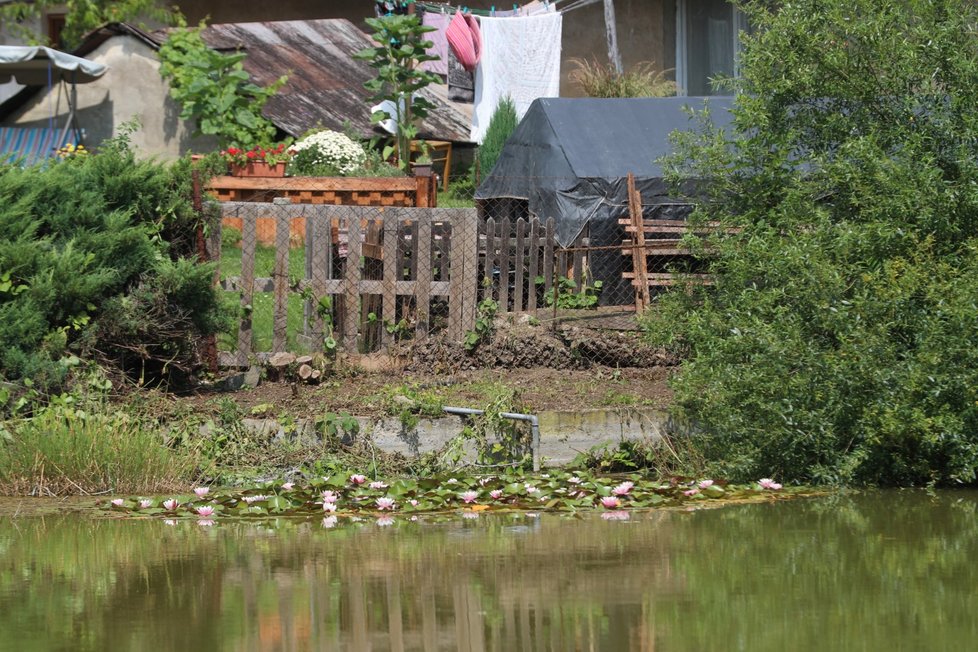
[(406, 192), (516, 254), (374, 264)]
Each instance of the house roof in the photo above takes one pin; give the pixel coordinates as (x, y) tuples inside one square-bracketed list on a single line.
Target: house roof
[(325, 85)]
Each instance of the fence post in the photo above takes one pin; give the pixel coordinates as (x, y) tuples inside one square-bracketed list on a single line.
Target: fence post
[(281, 282), (351, 308)]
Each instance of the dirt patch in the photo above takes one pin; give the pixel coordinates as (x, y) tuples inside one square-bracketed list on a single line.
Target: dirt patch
[(526, 346), (373, 393)]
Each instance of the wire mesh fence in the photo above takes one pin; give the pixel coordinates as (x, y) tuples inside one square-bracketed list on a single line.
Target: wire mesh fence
[(303, 270)]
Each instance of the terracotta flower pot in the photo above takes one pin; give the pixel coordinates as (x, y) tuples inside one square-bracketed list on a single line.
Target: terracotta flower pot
[(258, 169)]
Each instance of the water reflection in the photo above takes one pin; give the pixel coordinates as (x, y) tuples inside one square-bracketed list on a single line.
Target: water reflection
[(864, 572)]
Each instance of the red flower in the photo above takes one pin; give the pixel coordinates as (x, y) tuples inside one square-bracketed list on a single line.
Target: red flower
[(252, 154), (233, 151)]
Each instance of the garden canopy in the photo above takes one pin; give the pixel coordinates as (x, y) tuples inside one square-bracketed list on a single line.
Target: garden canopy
[(38, 66), (569, 158)]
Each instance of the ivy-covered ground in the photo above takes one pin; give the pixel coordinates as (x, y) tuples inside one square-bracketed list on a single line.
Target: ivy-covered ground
[(354, 495)]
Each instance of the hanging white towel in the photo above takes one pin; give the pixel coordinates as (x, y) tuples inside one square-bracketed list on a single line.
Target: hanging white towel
[(521, 59)]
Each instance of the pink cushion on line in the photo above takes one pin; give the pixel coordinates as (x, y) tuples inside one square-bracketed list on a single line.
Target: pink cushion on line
[(465, 40)]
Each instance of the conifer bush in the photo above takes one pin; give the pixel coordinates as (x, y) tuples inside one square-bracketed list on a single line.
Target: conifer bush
[(96, 254), (502, 124)]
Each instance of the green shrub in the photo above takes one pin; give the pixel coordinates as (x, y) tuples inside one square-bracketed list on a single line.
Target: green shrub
[(86, 244), (839, 343), (603, 80), (502, 124)]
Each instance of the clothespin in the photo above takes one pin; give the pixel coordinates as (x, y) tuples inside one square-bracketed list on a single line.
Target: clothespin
[(492, 10)]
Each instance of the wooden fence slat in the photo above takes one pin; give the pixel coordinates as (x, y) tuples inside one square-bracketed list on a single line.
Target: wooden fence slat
[(249, 242), (321, 253), (392, 273), (456, 279), (281, 276), (504, 245), (351, 301), (579, 255), (422, 291), (470, 263), (310, 247), (490, 260), (548, 256), (531, 303), (519, 264)]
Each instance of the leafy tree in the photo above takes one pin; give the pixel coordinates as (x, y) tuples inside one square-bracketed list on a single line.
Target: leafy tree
[(400, 48), (81, 16), (215, 91), (840, 340)]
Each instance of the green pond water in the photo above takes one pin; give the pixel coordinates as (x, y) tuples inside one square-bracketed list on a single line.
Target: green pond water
[(869, 571)]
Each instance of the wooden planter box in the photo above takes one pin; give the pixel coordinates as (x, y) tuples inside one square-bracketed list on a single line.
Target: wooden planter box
[(408, 192)]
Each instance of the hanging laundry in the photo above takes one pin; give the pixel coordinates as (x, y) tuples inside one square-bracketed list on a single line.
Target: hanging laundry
[(521, 59), (391, 7), (461, 82), (439, 42), (464, 39)]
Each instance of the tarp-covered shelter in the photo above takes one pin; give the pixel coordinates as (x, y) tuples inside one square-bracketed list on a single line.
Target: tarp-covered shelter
[(569, 159)]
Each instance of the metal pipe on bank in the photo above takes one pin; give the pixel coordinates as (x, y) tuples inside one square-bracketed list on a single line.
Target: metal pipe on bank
[(516, 416)]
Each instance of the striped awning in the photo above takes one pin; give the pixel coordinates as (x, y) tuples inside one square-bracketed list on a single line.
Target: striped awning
[(32, 145)]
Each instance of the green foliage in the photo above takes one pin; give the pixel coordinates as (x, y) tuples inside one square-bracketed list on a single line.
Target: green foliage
[(401, 46), (502, 124), (215, 91), (85, 245), (566, 296), (603, 80), (484, 324), (839, 341), (63, 449), (81, 16)]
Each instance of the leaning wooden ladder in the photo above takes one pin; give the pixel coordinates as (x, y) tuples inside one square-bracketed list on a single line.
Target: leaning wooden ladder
[(660, 238)]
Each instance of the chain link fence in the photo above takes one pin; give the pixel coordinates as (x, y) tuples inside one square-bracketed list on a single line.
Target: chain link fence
[(312, 266)]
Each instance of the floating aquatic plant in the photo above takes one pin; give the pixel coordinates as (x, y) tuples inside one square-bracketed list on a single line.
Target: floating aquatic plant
[(351, 495)]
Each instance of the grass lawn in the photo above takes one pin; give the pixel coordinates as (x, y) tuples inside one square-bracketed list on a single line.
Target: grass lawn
[(263, 303)]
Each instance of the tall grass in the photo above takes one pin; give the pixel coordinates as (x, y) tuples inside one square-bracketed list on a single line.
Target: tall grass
[(65, 451), (602, 80)]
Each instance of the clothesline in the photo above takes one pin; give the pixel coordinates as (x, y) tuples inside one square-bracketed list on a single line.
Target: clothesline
[(445, 7)]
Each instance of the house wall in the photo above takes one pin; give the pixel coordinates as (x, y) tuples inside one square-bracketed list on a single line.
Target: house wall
[(646, 28), (132, 88)]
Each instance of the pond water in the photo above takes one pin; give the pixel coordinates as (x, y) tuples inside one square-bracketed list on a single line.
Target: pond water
[(871, 571)]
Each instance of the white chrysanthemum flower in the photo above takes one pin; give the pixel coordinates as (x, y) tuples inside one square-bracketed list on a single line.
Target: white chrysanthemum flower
[(332, 148)]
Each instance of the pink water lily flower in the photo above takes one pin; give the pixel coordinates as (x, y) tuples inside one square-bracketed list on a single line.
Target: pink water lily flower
[(610, 502), (171, 504), (202, 491), (254, 499), (143, 504), (496, 494), (469, 496), (329, 497), (206, 510), (378, 485), (356, 478), (623, 488), (705, 484), (691, 492), (288, 486), (574, 480), (413, 502), (329, 507), (385, 503), (118, 502), (768, 483)]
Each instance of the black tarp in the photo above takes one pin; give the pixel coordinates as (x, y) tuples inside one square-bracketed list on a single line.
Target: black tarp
[(569, 158)]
